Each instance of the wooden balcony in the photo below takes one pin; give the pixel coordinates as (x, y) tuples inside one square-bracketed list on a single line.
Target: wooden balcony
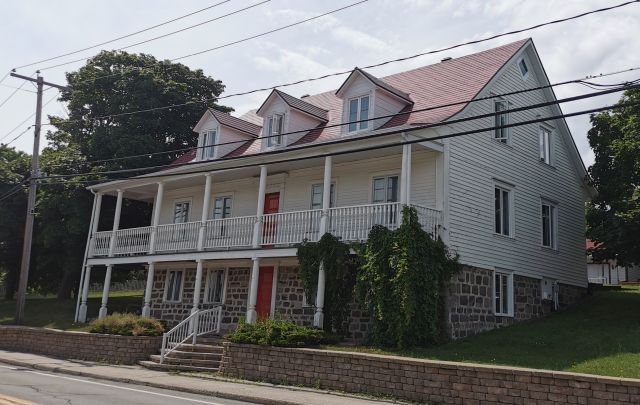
[(282, 229)]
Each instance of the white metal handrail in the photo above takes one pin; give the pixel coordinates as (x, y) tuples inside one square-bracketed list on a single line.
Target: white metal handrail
[(229, 232), (176, 237), (291, 227), (198, 323), (133, 240), (100, 243)]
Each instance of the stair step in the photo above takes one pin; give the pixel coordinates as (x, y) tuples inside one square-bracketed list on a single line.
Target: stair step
[(174, 367), (188, 347), (210, 340), (186, 362), (194, 355)]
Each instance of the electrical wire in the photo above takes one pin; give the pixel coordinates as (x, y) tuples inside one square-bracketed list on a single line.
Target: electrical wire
[(366, 137), (19, 187), (17, 88), (458, 103), (18, 136), (123, 36), (25, 120), (363, 149), (485, 39), (166, 35)]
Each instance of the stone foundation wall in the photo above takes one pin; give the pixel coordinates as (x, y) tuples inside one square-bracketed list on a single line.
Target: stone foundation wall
[(79, 345), (428, 381), (290, 302)]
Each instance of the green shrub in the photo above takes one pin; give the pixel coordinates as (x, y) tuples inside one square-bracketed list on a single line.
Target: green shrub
[(127, 325), (274, 332)]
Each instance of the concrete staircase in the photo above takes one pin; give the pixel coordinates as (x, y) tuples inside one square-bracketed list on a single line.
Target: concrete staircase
[(204, 355)]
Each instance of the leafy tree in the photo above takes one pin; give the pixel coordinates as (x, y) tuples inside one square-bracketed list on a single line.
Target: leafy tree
[(14, 169), (613, 217)]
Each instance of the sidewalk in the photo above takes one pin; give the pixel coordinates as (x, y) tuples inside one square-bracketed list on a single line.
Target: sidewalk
[(206, 385)]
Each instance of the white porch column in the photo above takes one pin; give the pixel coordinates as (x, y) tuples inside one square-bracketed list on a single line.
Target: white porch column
[(403, 175), (157, 207), (197, 287), (326, 195), (82, 314), (408, 174), (252, 299), (318, 317), (206, 203), (105, 292), (262, 188), (146, 309), (116, 223)]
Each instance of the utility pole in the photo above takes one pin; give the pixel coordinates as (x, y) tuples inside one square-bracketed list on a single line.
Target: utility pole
[(31, 202)]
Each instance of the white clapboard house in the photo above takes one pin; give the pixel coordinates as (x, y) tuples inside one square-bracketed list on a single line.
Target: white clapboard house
[(227, 216)]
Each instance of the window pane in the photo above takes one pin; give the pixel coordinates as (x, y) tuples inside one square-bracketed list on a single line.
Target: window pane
[(379, 190), (181, 213), (505, 294), (392, 189), (501, 120), (316, 196), (497, 292), (505, 213), (332, 196), (270, 126), (353, 114), (498, 211), (210, 142), (364, 112), (523, 67), (545, 226)]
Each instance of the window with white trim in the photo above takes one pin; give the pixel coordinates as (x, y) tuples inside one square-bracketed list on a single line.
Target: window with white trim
[(316, 196), (501, 108), (214, 286), (209, 145), (173, 286), (524, 68), (222, 207), (503, 294), (275, 128), (503, 207), (385, 189), (545, 145), (358, 110), (181, 211), (549, 218)]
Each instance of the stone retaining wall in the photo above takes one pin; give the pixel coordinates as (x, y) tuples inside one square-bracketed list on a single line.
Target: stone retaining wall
[(423, 380), (79, 345)]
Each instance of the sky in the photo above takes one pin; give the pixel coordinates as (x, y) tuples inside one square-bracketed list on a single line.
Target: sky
[(368, 33)]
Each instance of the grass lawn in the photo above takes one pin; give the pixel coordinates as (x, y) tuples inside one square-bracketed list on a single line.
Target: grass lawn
[(48, 312), (599, 336)]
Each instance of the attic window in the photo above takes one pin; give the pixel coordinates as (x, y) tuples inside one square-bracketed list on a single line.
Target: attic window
[(358, 111), (524, 69), (275, 125)]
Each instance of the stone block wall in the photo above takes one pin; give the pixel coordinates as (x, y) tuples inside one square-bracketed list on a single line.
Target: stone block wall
[(79, 345), (434, 382), (290, 302)]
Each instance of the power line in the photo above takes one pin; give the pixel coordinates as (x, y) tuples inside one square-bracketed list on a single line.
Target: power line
[(19, 135), (123, 36), (485, 39), (17, 88), (363, 149), (25, 120), (166, 35), (365, 137), (489, 97)]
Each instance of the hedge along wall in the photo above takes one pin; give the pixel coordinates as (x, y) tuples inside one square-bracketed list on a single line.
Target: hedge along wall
[(79, 345), (423, 380)]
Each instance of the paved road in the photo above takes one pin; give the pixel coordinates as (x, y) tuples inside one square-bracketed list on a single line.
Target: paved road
[(21, 386)]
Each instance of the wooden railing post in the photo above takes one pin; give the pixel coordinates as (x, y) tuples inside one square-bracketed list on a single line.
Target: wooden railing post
[(262, 188)]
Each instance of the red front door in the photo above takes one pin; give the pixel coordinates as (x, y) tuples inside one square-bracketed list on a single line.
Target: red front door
[(265, 286), (271, 206)]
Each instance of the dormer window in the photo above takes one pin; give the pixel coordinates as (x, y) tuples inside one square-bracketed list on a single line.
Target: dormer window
[(210, 141), (358, 111), (275, 127)]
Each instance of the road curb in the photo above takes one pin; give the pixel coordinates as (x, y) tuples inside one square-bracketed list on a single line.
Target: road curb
[(211, 392)]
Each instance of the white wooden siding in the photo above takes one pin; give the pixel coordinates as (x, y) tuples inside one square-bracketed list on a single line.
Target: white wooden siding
[(298, 122), (385, 105), (225, 135), (476, 161)]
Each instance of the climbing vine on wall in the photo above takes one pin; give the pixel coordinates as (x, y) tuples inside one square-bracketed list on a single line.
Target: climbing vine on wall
[(402, 281), (340, 269)]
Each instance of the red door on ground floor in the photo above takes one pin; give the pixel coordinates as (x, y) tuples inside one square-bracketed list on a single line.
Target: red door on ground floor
[(265, 286)]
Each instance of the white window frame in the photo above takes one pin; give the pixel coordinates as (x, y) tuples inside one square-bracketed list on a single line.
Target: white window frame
[(524, 75), (501, 135), (553, 226), (509, 293), (332, 201), (386, 177), (223, 296), (166, 286), (545, 145), (213, 204), (182, 201), (272, 135), (360, 126), (511, 206)]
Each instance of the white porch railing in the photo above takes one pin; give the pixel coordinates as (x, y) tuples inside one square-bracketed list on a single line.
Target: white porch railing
[(229, 232), (197, 324), (354, 223), (285, 228), (177, 237), (132, 241), (100, 243)]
